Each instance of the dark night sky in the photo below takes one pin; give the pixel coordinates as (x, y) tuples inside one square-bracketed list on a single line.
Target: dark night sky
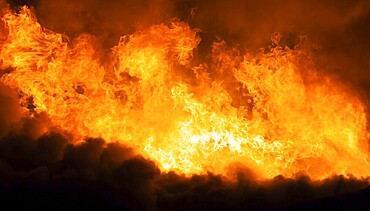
[(49, 172)]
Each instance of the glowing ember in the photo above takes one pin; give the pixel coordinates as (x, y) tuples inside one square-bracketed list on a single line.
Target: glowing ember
[(266, 111)]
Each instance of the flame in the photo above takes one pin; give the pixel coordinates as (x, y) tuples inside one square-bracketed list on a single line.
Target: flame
[(271, 112)]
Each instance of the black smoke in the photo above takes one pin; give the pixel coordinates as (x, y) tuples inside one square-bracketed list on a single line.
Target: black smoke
[(45, 170), (49, 172)]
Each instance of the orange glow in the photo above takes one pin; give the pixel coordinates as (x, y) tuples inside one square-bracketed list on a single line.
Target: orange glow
[(265, 111)]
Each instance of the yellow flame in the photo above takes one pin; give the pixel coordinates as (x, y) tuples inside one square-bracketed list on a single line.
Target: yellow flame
[(257, 110)]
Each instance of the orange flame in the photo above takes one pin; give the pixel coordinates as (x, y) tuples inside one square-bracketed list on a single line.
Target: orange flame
[(255, 110)]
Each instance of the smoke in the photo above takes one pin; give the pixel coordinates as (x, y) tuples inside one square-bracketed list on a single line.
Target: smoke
[(106, 20), (45, 170), (111, 175), (340, 28), (12, 117)]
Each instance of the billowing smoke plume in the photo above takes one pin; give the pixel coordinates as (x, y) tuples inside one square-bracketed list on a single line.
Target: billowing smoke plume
[(340, 28), (47, 170)]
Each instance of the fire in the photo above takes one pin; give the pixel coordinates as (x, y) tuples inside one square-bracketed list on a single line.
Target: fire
[(270, 112)]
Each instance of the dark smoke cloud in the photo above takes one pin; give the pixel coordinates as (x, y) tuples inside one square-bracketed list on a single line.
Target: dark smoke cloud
[(340, 27), (108, 20), (47, 171), (10, 110)]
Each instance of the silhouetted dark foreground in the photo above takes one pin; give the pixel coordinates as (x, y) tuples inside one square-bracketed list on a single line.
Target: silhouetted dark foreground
[(49, 172)]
